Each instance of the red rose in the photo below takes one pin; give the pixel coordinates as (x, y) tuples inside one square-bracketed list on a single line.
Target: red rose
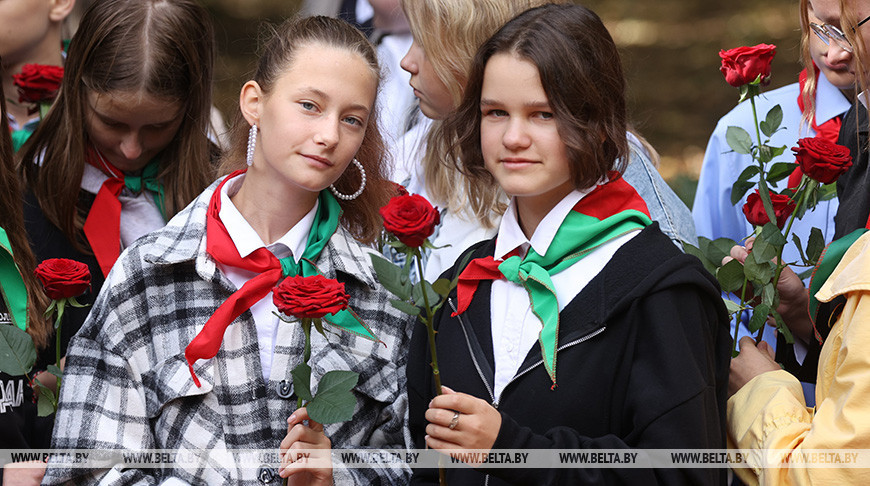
[(63, 278), (309, 297), (411, 218), (742, 65), (821, 159), (400, 189), (38, 83), (754, 209)]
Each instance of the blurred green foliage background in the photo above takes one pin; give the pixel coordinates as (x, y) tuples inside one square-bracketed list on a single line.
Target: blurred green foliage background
[(670, 53)]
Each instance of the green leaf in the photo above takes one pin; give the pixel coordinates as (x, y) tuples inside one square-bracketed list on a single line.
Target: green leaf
[(772, 122), (738, 190), (720, 248), (768, 295), (54, 370), (739, 140), (783, 328), (334, 401), (773, 235), (758, 271), (46, 402), (815, 246), (733, 307), (405, 307), (696, 252), (827, 191), (748, 173), (763, 250), (730, 276), (800, 247), (417, 293), (302, 381), (780, 171), (390, 276), (442, 287), (17, 352), (759, 317)]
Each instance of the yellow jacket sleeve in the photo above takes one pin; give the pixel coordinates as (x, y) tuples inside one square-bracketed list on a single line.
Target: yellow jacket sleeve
[(769, 412)]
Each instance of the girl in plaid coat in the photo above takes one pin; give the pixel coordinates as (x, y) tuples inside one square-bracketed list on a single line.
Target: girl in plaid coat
[(138, 376)]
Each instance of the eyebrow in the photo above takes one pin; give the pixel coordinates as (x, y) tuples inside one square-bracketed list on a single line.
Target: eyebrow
[(530, 104), (322, 94)]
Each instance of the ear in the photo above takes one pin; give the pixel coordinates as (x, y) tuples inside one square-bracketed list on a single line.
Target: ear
[(60, 9), (250, 100)]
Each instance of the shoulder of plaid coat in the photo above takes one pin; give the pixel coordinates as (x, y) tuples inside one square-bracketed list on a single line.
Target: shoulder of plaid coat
[(127, 385)]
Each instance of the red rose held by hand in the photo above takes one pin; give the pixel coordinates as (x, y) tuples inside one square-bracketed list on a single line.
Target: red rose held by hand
[(309, 297), (38, 83), (821, 159), (411, 218), (754, 209), (742, 65), (63, 278)]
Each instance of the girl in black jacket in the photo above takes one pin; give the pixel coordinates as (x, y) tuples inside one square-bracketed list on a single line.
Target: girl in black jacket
[(578, 276)]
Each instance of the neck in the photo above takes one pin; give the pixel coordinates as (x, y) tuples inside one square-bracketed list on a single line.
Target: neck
[(48, 52), (531, 210), (270, 209)]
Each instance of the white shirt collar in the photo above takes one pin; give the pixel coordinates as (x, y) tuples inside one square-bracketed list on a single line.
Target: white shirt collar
[(246, 238), (510, 234), (830, 101)]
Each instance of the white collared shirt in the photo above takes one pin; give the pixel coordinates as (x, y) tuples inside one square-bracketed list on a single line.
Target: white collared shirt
[(139, 212), (515, 329), (246, 240)]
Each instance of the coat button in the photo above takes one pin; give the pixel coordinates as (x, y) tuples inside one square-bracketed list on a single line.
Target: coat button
[(284, 389), (266, 474)]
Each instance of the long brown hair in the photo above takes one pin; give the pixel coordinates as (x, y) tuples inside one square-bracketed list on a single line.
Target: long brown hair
[(162, 47), (360, 216), (563, 42), (12, 221)]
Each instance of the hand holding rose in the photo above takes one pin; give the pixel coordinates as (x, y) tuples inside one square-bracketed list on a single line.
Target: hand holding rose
[(314, 465), (476, 426)]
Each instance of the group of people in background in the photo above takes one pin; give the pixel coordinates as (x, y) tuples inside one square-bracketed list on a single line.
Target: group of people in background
[(577, 323)]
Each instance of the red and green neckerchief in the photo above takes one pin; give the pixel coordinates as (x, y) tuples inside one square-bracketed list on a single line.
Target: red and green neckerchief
[(103, 225), (12, 284), (610, 211), (271, 271)]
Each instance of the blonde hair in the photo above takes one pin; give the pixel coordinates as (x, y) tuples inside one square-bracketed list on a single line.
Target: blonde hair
[(856, 38), (450, 32), (809, 91)]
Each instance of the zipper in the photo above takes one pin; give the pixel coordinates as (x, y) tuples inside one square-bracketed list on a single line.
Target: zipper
[(541, 361), (471, 353)]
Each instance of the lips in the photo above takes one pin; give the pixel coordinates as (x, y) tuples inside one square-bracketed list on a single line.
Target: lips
[(319, 159)]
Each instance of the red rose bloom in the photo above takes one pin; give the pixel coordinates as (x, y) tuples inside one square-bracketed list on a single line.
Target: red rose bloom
[(309, 297), (63, 278), (821, 159), (754, 209), (38, 83), (411, 218), (742, 65)]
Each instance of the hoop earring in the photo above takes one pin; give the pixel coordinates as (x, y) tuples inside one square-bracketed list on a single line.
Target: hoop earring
[(252, 142), (351, 197)]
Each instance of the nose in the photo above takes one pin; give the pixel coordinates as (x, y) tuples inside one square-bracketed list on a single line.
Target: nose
[(837, 55), (516, 136), (131, 146), (409, 62), (327, 132)]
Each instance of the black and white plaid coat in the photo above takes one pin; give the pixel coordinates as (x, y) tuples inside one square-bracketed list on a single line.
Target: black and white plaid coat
[(127, 384)]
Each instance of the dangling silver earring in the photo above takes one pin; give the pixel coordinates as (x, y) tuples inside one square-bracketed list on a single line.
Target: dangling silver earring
[(351, 197), (252, 142)]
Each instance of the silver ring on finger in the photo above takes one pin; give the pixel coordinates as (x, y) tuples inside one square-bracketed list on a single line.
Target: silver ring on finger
[(454, 420)]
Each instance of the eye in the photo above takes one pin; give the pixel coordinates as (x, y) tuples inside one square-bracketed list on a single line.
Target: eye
[(307, 105), (495, 113), (544, 115), (352, 120)]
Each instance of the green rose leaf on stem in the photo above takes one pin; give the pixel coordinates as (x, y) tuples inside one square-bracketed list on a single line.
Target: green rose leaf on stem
[(334, 401), (772, 122), (739, 140), (731, 276), (17, 352)]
